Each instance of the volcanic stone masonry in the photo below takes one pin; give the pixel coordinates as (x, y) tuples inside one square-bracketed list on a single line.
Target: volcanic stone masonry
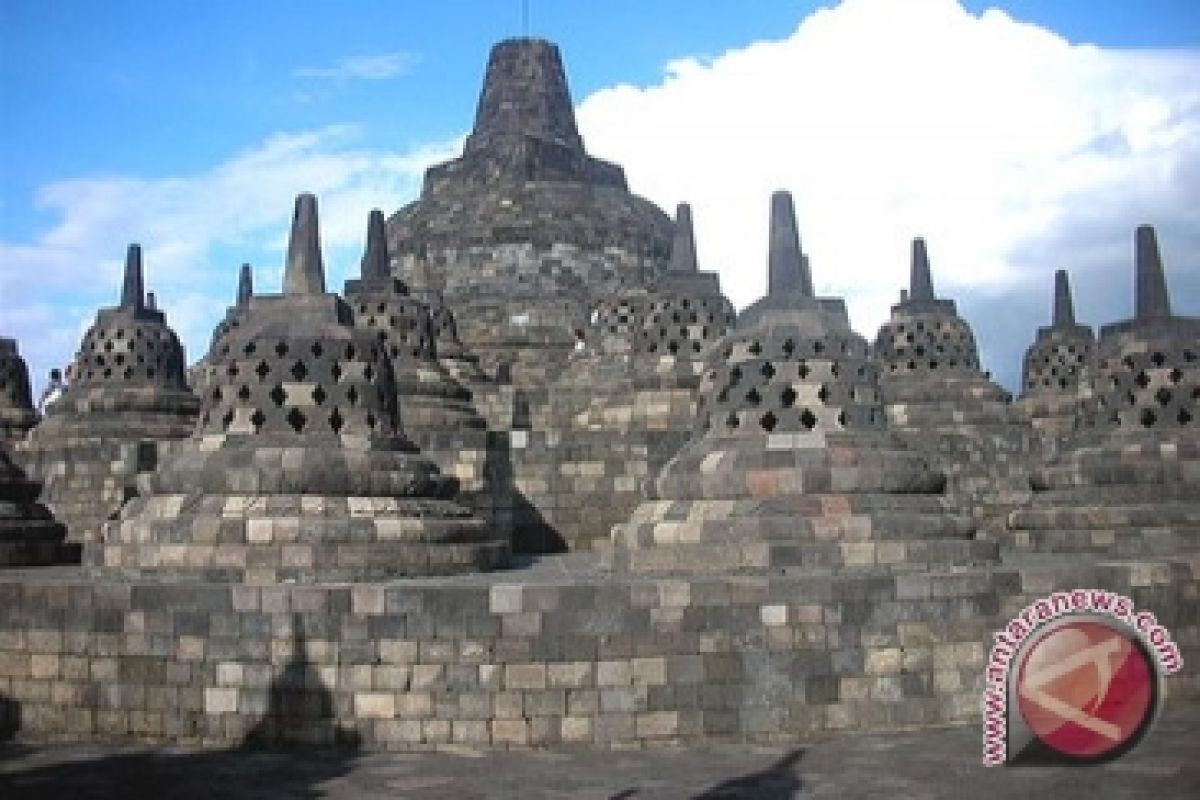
[(297, 469), (1127, 482), (126, 399), (1054, 377), (939, 400), (526, 215), (17, 415), (799, 533)]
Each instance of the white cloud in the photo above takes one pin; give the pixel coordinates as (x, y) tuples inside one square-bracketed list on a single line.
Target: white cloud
[(195, 230), (1013, 151), (371, 68)]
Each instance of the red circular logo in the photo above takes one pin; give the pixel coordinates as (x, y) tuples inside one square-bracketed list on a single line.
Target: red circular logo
[(1086, 689)]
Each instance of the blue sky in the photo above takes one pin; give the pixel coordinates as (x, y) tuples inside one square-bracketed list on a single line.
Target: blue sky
[(188, 127)]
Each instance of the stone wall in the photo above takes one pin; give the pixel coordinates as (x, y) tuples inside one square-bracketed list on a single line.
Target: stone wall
[(556, 654)]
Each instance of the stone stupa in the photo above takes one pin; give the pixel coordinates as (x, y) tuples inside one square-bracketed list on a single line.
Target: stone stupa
[(17, 414), (941, 402), (1127, 481), (525, 227), (298, 469), (795, 467), (1054, 377), (126, 399)]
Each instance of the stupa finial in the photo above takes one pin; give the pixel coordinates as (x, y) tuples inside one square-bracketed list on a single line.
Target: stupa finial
[(1064, 308), (132, 287), (683, 247), (375, 259), (305, 271), (245, 289), (787, 266), (1150, 285), (920, 284)]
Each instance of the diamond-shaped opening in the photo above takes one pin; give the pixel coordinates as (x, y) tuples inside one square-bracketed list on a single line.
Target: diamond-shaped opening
[(735, 376), (818, 347), (120, 333), (803, 370), (768, 421), (732, 421), (808, 419), (753, 397), (1163, 396), (823, 393), (1184, 416), (789, 347), (318, 395), (695, 347), (108, 346), (1142, 379), (371, 421), (296, 419), (788, 397), (933, 364), (128, 373), (278, 395), (1158, 359), (299, 371), (1127, 361), (263, 369), (1148, 418), (673, 347), (257, 419), (336, 421), (244, 393), (281, 349), (352, 395), (835, 369), (1175, 375), (368, 372), (316, 349), (231, 370), (1189, 356), (226, 420), (350, 352), (336, 371), (755, 348), (108, 373), (841, 419), (216, 394), (767, 371), (249, 348)]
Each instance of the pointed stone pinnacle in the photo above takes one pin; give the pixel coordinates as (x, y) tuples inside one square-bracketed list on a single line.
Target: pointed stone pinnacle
[(920, 283), (132, 289), (787, 267), (375, 259), (525, 93), (1064, 308), (304, 272), (1150, 285), (245, 288), (683, 247)]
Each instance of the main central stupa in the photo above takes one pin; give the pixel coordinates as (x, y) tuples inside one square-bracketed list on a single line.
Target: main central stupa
[(525, 229)]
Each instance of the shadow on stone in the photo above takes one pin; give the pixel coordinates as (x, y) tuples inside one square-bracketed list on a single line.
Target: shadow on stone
[(300, 707), (10, 718), (780, 781), (531, 533), (299, 715)]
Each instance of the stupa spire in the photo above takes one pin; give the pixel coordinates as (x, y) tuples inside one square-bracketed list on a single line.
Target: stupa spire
[(1151, 298), (305, 271), (375, 259), (683, 247), (920, 284), (1064, 307), (787, 266), (525, 93), (245, 289), (132, 287)]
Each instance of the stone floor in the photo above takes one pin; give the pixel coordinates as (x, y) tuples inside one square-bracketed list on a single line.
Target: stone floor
[(942, 763)]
